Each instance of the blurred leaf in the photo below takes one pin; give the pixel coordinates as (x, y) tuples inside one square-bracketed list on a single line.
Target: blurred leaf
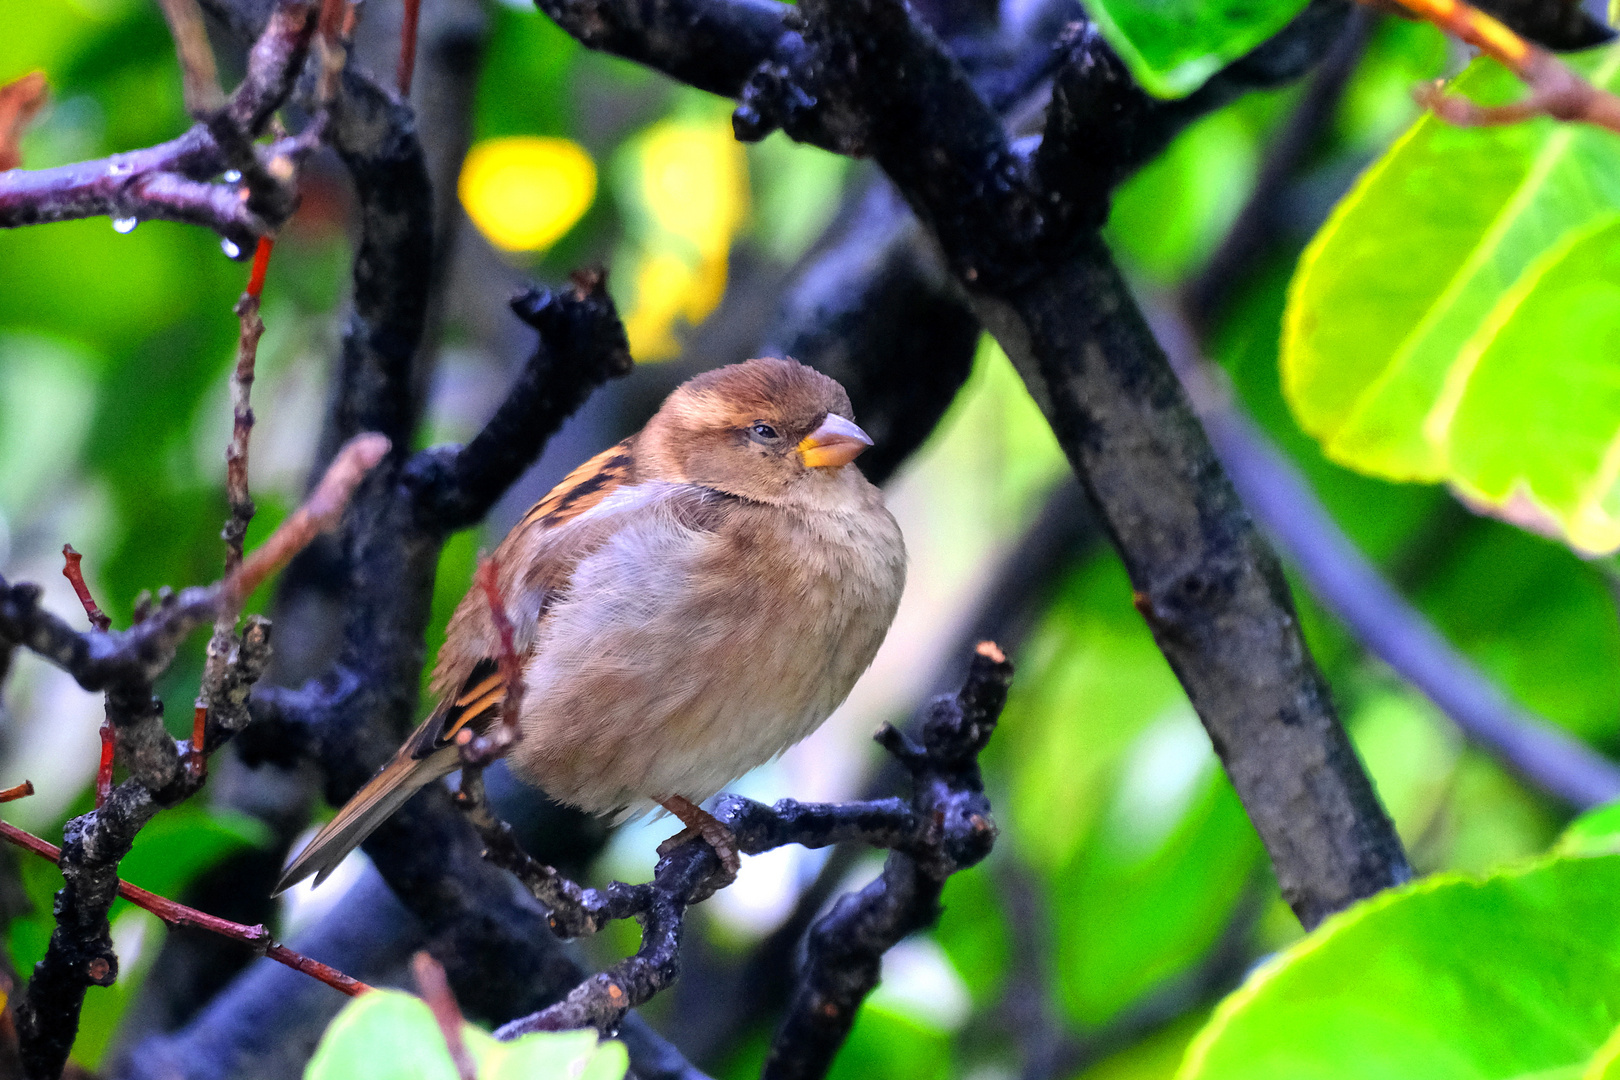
[(1154, 890), (888, 1044), (1410, 752), (1378, 98), (524, 192), (1421, 315), (1596, 832), (1172, 214), (1154, 1058), (973, 931), (1173, 46), (798, 187), (682, 185), (1450, 978), (1536, 618), (389, 1035), (1090, 680), (47, 390)]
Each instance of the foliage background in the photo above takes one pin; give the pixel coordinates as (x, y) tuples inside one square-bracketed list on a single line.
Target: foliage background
[(1126, 861)]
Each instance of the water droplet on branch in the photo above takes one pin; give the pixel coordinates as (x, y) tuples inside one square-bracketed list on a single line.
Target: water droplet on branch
[(230, 249), (231, 176), (125, 224)]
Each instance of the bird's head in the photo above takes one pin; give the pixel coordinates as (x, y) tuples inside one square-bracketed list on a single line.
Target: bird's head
[(770, 430)]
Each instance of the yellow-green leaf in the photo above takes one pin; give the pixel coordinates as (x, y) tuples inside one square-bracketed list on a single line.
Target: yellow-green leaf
[(1455, 320)]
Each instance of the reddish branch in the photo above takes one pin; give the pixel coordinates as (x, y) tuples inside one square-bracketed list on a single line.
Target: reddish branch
[(407, 47), (211, 691), (75, 575), (1555, 89), (434, 987), (20, 100), (21, 791), (319, 513), (177, 914)]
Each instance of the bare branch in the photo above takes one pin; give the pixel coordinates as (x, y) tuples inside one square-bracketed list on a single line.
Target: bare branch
[(176, 914), (170, 182)]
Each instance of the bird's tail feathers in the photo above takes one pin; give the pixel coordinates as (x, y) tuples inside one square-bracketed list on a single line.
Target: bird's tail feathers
[(386, 792)]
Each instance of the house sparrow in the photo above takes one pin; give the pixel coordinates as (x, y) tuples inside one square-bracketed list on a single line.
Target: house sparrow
[(686, 604)]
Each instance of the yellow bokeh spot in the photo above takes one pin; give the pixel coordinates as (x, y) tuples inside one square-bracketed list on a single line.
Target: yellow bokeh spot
[(689, 193), (525, 192), (694, 181)]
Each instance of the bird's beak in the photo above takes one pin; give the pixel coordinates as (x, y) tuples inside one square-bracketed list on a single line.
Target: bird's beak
[(836, 442)]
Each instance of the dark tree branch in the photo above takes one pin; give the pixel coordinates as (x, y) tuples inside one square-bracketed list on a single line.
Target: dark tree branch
[(172, 182)]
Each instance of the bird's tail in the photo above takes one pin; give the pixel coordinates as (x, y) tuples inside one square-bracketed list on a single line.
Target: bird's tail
[(401, 778)]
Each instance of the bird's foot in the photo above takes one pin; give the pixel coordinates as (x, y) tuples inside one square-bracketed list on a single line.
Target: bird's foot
[(702, 824)]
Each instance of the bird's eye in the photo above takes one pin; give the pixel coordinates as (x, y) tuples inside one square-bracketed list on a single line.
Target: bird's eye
[(763, 432)]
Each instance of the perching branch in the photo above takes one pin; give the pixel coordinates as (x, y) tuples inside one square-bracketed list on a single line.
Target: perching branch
[(944, 827)]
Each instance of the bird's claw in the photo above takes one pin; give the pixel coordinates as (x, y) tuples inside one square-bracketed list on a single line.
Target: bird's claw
[(702, 825)]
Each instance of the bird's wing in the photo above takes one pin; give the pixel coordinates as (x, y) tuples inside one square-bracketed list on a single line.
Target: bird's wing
[(533, 563)]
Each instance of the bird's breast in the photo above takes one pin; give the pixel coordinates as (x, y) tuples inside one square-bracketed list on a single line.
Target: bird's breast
[(680, 657)]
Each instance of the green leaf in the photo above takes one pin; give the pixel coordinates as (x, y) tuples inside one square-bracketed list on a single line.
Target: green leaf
[(1173, 46), (1596, 832), (1422, 317), (389, 1035), (1450, 978)]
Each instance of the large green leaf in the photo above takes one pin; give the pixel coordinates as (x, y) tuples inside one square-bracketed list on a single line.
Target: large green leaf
[(1454, 320), (388, 1035), (1173, 46), (1450, 978)]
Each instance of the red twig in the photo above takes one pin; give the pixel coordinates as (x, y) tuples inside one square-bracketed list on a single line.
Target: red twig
[(75, 576), (21, 791), (104, 770), (196, 757), (1555, 89), (435, 990), (320, 512), (176, 914), (407, 47), (261, 263)]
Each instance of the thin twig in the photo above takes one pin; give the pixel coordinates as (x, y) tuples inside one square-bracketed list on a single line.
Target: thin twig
[(20, 101), (1555, 89), (211, 690), (318, 513), (177, 914), (20, 791), (72, 570), (435, 990), (200, 77), (407, 47)]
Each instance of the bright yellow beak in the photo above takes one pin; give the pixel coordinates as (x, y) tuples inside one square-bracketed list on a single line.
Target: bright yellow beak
[(836, 442)]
